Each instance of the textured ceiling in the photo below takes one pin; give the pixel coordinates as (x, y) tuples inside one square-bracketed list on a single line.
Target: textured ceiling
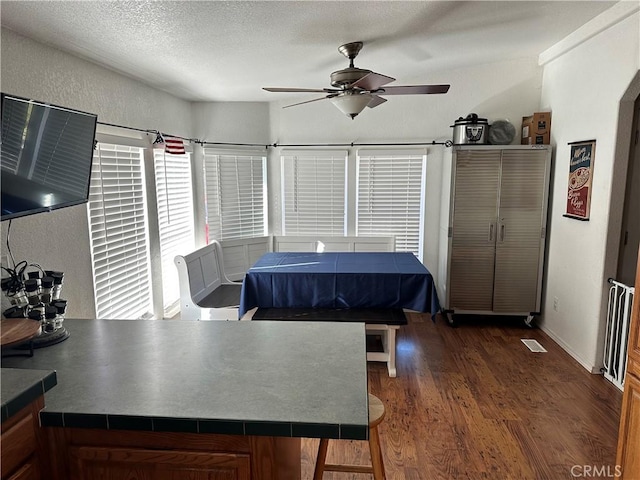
[(227, 51)]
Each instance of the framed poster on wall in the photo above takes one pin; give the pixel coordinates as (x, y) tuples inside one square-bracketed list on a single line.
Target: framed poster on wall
[(580, 178)]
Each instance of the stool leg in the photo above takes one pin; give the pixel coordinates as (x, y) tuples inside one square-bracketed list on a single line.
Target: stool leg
[(376, 454), (320, 460)]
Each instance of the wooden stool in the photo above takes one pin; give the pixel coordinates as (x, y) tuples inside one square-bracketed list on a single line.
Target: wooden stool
[(376, 414)]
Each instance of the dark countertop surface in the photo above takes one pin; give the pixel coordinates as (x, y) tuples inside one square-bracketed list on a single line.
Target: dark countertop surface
[(246, 378), (20, 387)]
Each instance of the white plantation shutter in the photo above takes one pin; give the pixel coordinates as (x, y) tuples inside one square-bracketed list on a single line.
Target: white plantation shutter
[(313, 192), (175, 216), (236, 192), (119, 246), (391, 196)]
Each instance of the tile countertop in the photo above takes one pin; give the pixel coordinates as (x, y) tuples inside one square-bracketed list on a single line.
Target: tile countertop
[(292, 379), (20, 387)]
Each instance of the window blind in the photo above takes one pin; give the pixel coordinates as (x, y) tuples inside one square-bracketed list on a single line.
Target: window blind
[(313, 192), (174, 197), (390, 198), (236, 192), (117, 220)]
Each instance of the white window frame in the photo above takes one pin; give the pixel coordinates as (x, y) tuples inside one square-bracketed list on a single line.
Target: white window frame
[(175, 212), (392, 192), (314, 199), (113, 297), (242, 202)]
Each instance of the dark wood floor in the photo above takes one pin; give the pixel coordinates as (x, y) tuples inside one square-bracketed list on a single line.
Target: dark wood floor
[(473, 402)]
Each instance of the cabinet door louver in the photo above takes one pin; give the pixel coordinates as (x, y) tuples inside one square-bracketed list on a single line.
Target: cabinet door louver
[(497, 228), (520, 223), (474, 229)]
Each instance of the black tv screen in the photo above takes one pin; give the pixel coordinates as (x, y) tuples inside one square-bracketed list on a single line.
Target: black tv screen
[(45, 156)]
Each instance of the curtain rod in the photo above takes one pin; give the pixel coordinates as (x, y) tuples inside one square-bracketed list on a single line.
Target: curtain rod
[(204, 143), (447, 143), (154, 132)]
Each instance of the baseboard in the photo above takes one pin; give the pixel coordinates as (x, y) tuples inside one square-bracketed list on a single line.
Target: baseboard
[(590, 368)]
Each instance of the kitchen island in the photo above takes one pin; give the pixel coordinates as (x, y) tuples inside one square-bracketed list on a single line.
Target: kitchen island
[(198, 399)]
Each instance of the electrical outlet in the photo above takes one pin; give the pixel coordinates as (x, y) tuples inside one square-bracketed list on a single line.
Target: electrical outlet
[(555, 303)]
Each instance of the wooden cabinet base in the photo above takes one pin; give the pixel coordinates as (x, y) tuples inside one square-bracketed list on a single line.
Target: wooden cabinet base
[(112, 463), (87, 454), (28, 471), (23, 445), (628, 456), (629, 435)]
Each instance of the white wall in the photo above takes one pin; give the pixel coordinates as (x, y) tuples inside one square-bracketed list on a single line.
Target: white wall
[(231, 122), (583, 88), (225, 122), (59, 240), (501, 90)]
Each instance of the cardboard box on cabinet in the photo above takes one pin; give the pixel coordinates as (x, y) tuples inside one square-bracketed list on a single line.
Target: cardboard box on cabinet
[(536, 129)]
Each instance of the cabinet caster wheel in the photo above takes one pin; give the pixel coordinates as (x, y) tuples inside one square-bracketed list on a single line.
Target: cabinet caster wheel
[(450, 319)]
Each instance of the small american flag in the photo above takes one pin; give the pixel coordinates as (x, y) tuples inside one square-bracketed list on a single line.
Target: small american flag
[(171, 145)]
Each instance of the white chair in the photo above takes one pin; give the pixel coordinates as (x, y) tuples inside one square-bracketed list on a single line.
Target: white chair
[(205, 291)]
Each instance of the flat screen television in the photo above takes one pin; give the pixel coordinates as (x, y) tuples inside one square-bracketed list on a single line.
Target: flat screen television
[(46, 153)]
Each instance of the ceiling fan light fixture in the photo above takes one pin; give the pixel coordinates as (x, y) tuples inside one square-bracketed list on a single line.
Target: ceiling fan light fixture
[(355, 88), (350, 103)]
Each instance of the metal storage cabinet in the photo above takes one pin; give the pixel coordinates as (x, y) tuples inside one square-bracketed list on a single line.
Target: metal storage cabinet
[(497, 229)]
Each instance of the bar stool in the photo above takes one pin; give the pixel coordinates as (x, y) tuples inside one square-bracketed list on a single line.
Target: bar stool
[(376, 414)]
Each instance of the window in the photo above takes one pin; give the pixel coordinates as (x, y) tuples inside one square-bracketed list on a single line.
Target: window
[(313, 192), (390, 199), (236, 192), (118, 228), (174, 197)]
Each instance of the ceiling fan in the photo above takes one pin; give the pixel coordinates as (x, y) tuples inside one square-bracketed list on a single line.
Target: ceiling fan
[(357, 88)]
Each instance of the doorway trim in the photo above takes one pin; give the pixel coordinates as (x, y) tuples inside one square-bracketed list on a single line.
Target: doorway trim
[(616, 205)]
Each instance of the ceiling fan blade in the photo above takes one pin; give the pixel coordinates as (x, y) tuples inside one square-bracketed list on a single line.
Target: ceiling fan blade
[(413, 90), (372, 81), (294, 90), (375, 101), (308, 101)]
